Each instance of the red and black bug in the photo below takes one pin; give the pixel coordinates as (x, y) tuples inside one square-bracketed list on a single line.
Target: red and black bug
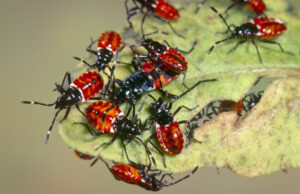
[(257, 6), (161, 9), (85, 87), (138, 175), (149, 77), (83, 156), (167, 132), (109, 43), (168, 59), (263, 29), (106, 117)]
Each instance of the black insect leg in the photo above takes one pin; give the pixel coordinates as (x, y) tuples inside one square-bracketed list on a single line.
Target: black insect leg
[(255, 45), (99, 157), (156, 32), (165, 175), (181, 107), (149, 154), (172, 28), (51, 127), (187, 91), (157, 149), (88, 128), (190, 133), (108, 143), (199, 6), (236, 45), (60, 87), (131, 12), (124, 146), (66, 115), (179, 50), (135, 117), (68, 77), (233, 4), (88, 48), (218, 42), (279, 45)]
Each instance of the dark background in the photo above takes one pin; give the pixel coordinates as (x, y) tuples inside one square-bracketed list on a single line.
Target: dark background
[(38, 39)]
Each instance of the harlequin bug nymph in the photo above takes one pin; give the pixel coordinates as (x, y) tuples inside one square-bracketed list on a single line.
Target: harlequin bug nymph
[(109, 44), (161, 9), (167, 132), (257, 6), (168, 59), (106, 117), (138, 175), (85, 87), (263, 29)]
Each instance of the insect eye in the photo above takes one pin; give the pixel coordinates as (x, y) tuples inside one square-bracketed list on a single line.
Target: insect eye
[(94, 81)]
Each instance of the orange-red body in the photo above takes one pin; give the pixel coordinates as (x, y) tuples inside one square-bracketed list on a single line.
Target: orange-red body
[(126, 173), (89, 84), (83, 156), (158, 76), (102, 115), (109, 40), (268, 27), (170, 137), (172, 60), (257, 6), (165, 10)]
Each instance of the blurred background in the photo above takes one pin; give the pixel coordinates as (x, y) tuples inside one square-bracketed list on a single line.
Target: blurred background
[(38, 40)]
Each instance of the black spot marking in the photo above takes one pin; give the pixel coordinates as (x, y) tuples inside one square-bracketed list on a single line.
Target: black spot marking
[(174, 147), (169, 134), (171, 140)]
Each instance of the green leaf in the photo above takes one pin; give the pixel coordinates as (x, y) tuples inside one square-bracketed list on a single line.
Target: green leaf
[(267, 140)]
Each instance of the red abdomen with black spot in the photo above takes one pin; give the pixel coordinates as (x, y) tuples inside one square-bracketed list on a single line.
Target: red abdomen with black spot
[(170, 137), (126, 173), (89, 84), (102, 115), (172, 60), (268, 28), (109, 40), (158, 76), (257, 6), (166, 11)]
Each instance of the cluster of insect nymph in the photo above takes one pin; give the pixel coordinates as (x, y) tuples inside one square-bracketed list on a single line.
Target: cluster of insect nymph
[(161, 65)]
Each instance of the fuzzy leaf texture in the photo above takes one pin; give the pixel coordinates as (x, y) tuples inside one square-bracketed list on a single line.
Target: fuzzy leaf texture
[(265, 141)]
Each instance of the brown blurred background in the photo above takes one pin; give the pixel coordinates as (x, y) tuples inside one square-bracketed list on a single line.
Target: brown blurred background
[(38, 40)]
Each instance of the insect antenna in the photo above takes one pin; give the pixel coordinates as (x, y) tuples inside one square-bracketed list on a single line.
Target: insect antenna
[(83, 61), (183, 178), (39, 103), (221, 16)]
